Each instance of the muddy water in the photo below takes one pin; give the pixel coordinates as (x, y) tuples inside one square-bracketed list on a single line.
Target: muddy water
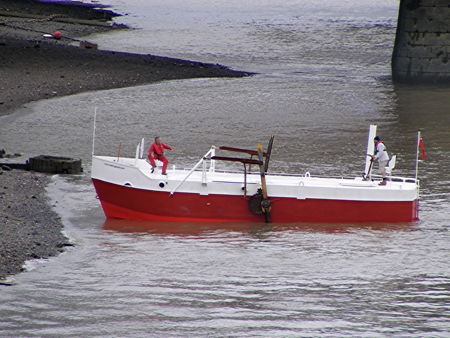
[(321, 83)]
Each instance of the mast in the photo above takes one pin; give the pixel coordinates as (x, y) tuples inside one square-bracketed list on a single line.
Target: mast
[(93, 132)]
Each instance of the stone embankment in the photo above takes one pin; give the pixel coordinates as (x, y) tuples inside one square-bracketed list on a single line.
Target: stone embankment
[(422, 44)]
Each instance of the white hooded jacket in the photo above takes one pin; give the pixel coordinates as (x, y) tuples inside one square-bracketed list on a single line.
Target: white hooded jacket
[(381, 153)]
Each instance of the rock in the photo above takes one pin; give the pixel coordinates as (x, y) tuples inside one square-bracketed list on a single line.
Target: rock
[(3, 154), (8, 281), (88, 45)]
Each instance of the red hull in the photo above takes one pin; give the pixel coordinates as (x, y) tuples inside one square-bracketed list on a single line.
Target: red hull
[(137, 204)]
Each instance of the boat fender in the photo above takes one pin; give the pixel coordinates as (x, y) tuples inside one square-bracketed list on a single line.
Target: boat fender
[(162, 184), (254, 203)]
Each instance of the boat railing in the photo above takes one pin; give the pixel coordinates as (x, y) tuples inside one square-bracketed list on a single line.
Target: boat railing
[(398, 179), (211, 152), (212, 168), (306, 175), (390, 178)]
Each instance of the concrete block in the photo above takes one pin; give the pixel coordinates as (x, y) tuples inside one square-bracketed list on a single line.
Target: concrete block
[(55, 165)]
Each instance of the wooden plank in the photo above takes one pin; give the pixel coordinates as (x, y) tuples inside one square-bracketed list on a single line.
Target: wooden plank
[(239, 150), (235, 159)]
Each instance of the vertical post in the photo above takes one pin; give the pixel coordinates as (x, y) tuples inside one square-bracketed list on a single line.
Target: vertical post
[(212, 165), (204, 172), (93, 132), (417, 154), (118, 152), (141, 150), (245, 180), (138, 149)]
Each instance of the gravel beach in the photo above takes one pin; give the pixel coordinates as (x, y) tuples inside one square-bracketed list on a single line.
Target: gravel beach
[(33, 67), (29, 228)]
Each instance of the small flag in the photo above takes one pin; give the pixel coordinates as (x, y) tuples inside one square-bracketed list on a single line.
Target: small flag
[(422, 148)]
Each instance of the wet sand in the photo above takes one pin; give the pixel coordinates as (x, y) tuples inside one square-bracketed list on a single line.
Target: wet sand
[(33, 67)]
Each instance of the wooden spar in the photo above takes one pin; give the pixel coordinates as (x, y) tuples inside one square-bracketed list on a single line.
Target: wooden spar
[(262, 173), (236, 159), (269, 151), (239, 150), (265, 203)]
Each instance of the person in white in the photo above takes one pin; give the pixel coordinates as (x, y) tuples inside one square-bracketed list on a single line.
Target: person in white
[(381, 156)]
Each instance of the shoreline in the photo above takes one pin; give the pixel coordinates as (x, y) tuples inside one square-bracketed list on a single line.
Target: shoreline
[(33, 68), (41, 70)]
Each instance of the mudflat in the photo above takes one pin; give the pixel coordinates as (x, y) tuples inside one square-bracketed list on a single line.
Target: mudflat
[(33, 67)]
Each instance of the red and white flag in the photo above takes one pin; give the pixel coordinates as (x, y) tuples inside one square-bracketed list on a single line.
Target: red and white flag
[(422, 148)]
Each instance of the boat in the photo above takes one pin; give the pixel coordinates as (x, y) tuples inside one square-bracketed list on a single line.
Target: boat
[(128, 189)]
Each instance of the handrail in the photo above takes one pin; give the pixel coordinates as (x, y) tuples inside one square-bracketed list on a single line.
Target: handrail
[(212, 152), (256, 173), (192, 170)]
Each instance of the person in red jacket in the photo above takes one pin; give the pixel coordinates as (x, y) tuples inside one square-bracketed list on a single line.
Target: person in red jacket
[(156, 152)]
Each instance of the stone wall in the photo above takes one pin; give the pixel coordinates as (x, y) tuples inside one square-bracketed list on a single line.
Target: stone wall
[(422, 44)]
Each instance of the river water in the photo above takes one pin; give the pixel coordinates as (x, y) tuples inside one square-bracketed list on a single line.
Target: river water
[(324, 76)]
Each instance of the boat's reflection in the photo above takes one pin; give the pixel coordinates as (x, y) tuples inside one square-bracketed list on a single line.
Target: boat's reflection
[(199, 228)]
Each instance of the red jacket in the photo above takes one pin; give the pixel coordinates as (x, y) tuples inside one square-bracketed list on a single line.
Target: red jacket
[(158, 149)]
